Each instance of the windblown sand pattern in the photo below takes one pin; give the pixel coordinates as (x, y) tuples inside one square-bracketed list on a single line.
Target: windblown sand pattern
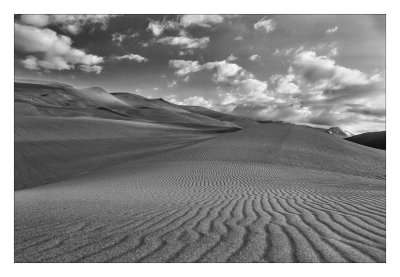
[(267, 193)]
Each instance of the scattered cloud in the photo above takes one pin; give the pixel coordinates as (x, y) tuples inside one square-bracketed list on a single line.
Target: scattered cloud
[(131, 57), (192, 101), (315, 90), (244, 86), (324, 71), (224, 71), (332, 30), (118, 38), (266, 25), (185, 42), (285, 84), (51, 51), (254, 57), (72, 24), (200, 20), (318, 91), (144, 44), (231, 58), (158, 27), (333, 52), (172, 84), (91, 68), (185, 67)]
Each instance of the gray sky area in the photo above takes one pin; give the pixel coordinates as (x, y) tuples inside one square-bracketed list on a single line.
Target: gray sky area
[(324, 70)]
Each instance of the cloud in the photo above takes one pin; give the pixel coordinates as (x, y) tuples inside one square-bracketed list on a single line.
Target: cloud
[(315, 90), (39, 20), (332, 30), (51, 51), (200, 20), (185, 67), (118, 38), (231, 58), (30, 62), (285, 84), (244, 87), (365, 110), (323, 70), (238, 38), (224, 71), (185, 42), (255, 90), (172, 84), (144, 44), (192, 101), (158, 27), (266, 25), (333, 52), (131, 57), (72, 24), (91, 68), (254, 57)]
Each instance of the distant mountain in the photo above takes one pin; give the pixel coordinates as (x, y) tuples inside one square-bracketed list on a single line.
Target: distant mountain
[(336, 131), (371, 139)]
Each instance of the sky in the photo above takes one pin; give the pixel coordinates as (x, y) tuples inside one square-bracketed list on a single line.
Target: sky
[(320, 70)]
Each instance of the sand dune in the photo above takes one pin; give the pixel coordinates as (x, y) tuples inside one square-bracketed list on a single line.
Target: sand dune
[(57, 100), (267, 193), (49, 149), (241, 121), (371, 139)]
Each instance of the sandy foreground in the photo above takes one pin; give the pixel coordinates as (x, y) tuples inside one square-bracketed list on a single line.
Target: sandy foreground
[(267, 193)]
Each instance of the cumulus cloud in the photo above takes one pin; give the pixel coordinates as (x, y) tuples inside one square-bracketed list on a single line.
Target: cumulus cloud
[(332, 30), (185, 42), (91, 68), (200, 20), (323, 70), (266, 25), (254, 57), (51, 51), (72, 23), (132, 57), (318, 91), (285, 84), (315, 90)]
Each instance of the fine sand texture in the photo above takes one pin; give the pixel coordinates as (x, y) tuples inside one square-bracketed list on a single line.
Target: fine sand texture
[(150, 192)]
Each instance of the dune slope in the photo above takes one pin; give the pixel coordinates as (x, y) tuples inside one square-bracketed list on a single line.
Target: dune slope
[(57, 100), (267, 193), (372, 139), (49, 149)]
